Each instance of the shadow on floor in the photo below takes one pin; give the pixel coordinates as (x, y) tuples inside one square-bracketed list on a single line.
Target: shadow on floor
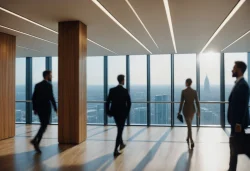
[(184, 162), (150, 155), (100, 163), (31, 159)]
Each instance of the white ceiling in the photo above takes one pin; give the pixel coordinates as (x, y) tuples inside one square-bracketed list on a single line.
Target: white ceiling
[(194, 22)]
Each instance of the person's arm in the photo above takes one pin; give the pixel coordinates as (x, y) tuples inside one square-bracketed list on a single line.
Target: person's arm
[(239, 103), (34, 100), (52, 98), (182, 101), (109, 98), (128, 102), (197, 104)]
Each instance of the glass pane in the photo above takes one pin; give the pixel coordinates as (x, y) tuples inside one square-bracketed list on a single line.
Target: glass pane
[(138, 88), (160, 68), (21, 89), (55, 85), (230, 58), (210, 88), (20, 112), (184, 67), (95, 113), (116, 66), (95, 88), (38, 66)]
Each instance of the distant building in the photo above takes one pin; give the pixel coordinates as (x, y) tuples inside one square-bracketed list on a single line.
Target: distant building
[(161, 109), (140, 115), (206, 85)]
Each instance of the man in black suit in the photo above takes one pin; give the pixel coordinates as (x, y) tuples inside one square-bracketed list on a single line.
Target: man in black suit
[(120, 107), (238, 112), (42, 99)]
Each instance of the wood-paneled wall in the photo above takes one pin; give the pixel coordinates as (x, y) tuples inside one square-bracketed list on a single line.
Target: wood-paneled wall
[(7, 85), (72, 112)]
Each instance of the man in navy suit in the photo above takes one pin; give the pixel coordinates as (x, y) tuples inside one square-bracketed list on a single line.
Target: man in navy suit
[(120, 107), (42, 100), (238, 111)]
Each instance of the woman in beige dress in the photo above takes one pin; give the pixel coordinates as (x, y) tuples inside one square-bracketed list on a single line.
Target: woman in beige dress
[(188, 96)]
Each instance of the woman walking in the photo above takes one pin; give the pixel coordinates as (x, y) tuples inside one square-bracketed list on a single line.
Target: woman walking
[(188, 96)]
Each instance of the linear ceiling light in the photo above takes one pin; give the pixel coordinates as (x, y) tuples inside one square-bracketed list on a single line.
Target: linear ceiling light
[(237, 40), (141, 22), (236, 8), (26, 19), (101, 46), (27, 34), (119, 24), (28, 48), (37, 24), (167, 8)]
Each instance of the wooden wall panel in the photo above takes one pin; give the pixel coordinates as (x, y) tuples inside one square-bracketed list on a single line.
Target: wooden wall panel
[(7, 85), (72, 82)]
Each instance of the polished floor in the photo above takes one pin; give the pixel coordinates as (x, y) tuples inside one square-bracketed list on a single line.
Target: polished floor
[(150, 149)]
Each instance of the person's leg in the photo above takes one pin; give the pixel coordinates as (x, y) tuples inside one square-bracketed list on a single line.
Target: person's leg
[(189, 134), (122, 128), (44, 119), (233, 156), (118, 136)]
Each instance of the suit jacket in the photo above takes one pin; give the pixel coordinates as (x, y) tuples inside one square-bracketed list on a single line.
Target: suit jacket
[(189, 96), (238, 111), (120, 102), (43, 98)]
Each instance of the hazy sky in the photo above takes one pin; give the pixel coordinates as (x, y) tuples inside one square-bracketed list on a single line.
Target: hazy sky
[(185, 67)]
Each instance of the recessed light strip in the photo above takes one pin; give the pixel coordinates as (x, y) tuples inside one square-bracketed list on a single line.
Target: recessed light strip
[(236, 8), (26, 19), (236, 40), (118, 23), (39, 25), (141, 22), (167, 8), (27, 34), (101, 46), (28, 48)]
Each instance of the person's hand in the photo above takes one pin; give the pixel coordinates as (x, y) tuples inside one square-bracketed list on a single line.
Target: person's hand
[(35, 112), (179, 113), (238, 128)]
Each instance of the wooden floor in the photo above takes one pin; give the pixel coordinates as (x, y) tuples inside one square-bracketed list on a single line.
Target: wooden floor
[(151, 149)]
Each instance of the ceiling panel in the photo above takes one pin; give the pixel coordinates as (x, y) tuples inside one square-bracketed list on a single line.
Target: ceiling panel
[(195, 21), (243, 45), (101, 29), (236, 27)]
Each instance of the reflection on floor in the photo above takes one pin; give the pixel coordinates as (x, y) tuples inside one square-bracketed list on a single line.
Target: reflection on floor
[(154, 148)]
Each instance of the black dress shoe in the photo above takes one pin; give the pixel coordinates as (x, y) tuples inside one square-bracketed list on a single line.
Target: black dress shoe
[(116, 154), (122, 146), (34, 143), (192, 145)]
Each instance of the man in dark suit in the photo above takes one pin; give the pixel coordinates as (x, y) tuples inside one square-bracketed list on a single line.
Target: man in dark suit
[(42, 100), (120, 107), (238, 111)]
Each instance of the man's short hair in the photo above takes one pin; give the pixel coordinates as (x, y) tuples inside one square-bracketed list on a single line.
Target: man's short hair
[(120, 78), (241, 65), (189, 81), (46, 73)]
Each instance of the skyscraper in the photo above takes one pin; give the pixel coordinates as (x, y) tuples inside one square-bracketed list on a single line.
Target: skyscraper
[(161, 109), (206, 85)]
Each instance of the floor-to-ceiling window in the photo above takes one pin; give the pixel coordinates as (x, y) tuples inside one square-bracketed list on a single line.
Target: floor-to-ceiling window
[(160, 78), (230, 59), (21, 90), (210, 88), (116, 66), (55, 86), (138, 89), (38, 66), (184, 67), (95, 90)]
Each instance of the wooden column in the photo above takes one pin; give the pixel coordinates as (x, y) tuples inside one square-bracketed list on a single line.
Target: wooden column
[(7, 85), (72, 82)]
